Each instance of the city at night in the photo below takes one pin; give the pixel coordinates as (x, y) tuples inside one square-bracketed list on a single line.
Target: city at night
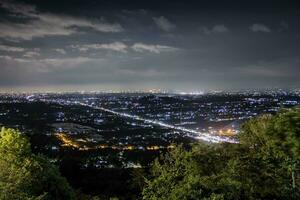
[(150, 100)]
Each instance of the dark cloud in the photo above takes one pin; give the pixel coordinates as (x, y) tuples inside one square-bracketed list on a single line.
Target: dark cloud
[(260, 28), (140, 44), (164, 24), (220, 28), (47, 24)]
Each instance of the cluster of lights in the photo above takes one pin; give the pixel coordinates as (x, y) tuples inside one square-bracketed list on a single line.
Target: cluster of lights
[(191, 133), (69, 142)]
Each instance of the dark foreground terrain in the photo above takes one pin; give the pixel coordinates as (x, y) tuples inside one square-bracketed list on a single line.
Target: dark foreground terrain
[(105, 155)]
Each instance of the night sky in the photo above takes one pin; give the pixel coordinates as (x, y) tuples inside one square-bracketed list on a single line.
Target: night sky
[(62, 45)]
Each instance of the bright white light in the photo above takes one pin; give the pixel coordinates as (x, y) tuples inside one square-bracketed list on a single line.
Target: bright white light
[(192, 133)]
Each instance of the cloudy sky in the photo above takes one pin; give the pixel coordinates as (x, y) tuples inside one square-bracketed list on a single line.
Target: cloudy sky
[(179, 45)]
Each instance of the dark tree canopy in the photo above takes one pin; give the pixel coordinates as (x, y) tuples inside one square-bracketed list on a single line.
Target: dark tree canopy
[(265, 165), (24, 175)]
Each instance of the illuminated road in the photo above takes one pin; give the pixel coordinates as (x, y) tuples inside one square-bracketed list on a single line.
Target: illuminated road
[(191, 133)]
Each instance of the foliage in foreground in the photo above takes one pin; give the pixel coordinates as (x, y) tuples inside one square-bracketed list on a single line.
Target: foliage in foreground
[(265, 165), (24, 175)]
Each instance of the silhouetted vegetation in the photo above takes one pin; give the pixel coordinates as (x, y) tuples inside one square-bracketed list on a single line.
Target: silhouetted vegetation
[(265, 165), (24, 175)]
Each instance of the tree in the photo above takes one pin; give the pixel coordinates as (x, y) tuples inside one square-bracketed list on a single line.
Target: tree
[(24, 175), (182, 174), (277, 150), (264, 165)]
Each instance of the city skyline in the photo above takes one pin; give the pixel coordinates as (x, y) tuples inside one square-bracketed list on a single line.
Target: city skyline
[(117, 45)]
